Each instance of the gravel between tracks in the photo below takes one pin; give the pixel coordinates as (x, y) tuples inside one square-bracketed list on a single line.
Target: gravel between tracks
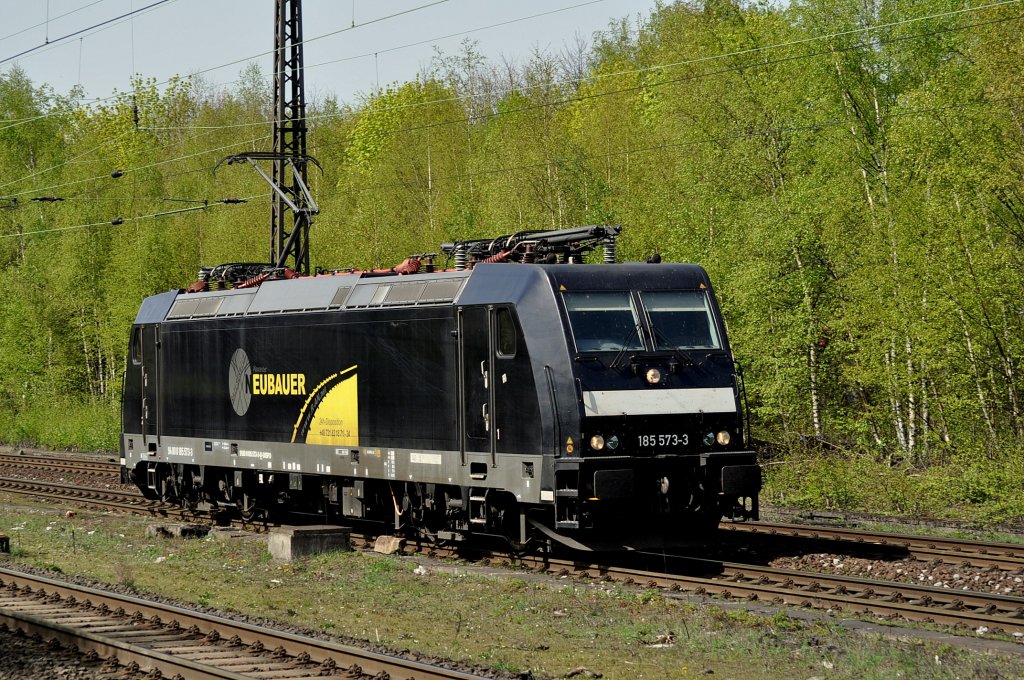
[(980, 579), (31, 658)]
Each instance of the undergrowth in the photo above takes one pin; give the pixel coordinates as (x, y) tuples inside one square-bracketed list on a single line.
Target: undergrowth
[(982, 488), (90, 425)]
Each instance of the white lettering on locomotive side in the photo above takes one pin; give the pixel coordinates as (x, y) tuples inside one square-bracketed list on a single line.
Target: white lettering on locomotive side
[(249, 453), (279, 383)]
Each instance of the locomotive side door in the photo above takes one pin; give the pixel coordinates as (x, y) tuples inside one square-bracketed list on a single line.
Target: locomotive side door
[(149, 369), (476, 399)]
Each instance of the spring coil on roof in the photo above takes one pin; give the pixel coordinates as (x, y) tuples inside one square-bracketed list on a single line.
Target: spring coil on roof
[(609, 250), (461, 257)]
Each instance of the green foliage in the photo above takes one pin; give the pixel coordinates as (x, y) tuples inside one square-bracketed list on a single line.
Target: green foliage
[(982, 489)]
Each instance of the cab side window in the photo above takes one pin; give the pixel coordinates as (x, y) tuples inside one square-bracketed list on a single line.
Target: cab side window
[(136, 344), (506, 333)]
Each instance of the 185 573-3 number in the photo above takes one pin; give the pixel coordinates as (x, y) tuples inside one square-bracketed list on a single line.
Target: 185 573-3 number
[(660, 440)]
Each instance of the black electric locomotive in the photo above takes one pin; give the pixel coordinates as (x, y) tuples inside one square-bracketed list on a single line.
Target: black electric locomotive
[(506, 396)]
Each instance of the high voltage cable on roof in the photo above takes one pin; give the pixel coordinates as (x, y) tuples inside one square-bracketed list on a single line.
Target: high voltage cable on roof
[(56, 41), (565, 100)]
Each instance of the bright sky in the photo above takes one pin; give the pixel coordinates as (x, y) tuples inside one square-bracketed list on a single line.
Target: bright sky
[(189, 36)]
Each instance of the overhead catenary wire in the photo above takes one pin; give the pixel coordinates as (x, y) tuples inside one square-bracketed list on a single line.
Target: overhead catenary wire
[(155, 164), (119, 221), (56, 41), (682, 79), (655, 67), (648, 69), (578, 98), (565, 100), (720, 139), (631, 88), (126, 17), (130, 14), (49, 19)]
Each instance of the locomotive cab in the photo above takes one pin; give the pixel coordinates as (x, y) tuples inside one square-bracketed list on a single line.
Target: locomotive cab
[(661, 429)]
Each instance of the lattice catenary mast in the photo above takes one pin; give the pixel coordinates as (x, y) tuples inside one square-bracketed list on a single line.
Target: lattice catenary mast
[(289, 243), (289, 173)]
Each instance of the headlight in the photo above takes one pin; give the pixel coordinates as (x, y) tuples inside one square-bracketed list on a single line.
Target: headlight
[(612, 443), (653, 376), (723, 438), (709, 439), (597, 442)]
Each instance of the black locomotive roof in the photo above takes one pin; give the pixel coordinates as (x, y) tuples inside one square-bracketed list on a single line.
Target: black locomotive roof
[(484, 284), (504, 283)]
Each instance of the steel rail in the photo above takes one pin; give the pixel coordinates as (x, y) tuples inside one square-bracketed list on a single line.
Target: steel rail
[(755, 583), (60, 464), (121, 500), (178, 641), (929, 604), (1007, 556)]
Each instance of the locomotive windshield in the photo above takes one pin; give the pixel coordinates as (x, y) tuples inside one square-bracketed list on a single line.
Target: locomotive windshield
[(611, 321), (681, 320), (603, 322)]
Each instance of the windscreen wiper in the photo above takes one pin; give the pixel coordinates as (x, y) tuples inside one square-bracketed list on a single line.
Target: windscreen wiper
[(625, 344), (684, 357)]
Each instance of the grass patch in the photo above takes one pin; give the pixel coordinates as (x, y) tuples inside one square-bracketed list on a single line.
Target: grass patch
[(982, 489), (517, 623)]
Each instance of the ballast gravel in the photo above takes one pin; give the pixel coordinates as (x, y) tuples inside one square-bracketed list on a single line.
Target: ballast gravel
[(907, 570), (25, 657)]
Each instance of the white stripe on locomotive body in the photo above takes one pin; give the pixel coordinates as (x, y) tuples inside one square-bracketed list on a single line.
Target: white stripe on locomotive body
[(659, 402)]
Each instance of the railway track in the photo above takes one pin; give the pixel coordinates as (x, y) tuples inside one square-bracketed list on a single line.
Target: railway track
[(731, 580), (1007, 556), (107, 498), (61, 464), (980, 612), (169, 641)]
